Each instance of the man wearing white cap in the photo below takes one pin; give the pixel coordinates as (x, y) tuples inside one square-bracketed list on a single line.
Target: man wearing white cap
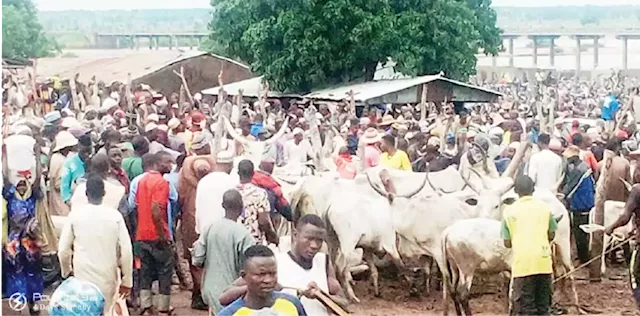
[(175, 128), (210, 190), (64, 143), (297, 149)]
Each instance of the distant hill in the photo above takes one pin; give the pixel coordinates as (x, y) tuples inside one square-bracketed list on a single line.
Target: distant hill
[(74, 29), (588, 18), (185, 20)]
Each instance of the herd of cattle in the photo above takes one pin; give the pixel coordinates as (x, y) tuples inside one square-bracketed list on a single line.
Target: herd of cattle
[(453, 221)]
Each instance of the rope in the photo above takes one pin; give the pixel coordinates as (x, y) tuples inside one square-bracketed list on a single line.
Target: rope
[(593, 228)]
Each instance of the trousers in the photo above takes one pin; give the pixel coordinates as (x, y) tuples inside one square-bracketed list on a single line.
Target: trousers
[(156, 258), (531, 295), (581, 238)]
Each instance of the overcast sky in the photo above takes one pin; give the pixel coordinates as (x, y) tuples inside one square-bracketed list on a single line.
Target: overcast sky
[(49, 5)]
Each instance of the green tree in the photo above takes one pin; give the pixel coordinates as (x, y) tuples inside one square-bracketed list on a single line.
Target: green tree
[(22, 35), (299, 45)]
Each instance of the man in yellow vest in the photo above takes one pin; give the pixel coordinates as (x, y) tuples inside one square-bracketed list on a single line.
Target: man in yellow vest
[(528, 227)]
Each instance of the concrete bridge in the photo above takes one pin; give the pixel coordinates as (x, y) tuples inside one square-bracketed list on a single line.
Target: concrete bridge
[(117, 40), (579, 37)]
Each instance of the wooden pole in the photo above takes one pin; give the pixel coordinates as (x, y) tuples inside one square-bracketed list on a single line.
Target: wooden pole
[(316, 143), (352, 104), (423, 103), (263, 100), (184, 83), (74, 95)]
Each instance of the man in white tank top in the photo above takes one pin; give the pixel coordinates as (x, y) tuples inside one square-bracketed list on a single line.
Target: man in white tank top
[(308, 268), (304, 268)]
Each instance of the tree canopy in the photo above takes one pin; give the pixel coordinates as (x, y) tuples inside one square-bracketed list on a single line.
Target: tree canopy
[(22, 35), (299, 45)]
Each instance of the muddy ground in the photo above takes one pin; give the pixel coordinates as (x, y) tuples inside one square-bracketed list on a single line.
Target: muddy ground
[(611, 297)]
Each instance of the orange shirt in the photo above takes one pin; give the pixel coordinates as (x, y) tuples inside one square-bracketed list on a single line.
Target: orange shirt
[(588, 157), (152, 188)]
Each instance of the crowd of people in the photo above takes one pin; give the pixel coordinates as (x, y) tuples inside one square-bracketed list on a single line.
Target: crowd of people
[(129, 183)]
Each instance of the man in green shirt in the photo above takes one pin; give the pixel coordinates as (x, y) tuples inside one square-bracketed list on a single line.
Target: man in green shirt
[(133, 165), (219, 250), (528, 227)]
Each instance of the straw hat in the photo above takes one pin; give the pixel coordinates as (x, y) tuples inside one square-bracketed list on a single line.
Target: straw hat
[(64, 139), (571, 151), (370, 136), (387, 120)]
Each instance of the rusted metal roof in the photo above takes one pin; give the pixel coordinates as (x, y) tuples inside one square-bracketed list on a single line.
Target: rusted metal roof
[(113, 65)]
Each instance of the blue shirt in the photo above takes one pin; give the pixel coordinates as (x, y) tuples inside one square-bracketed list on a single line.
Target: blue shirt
[(610, 106), (256, 128), (583, 199), (72, 170), (172, 206), (283, 304)]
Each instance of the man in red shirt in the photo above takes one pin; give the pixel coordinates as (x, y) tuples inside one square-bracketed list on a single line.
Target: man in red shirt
[(153, 237)]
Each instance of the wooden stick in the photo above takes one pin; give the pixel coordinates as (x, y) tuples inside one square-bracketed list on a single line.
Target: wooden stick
[(129, 95), (74, 96), (220, 83), (184, 83), (263, 100), (324, 298), (423, 103), (352, 103)]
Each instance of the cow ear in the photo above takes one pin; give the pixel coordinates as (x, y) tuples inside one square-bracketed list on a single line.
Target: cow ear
[(471, 201), (508, 201)]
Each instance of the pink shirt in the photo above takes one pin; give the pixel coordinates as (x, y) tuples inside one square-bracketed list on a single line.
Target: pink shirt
[(371, 156)]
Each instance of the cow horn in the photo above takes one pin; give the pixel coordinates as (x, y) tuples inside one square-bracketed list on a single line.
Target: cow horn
[(377, 188), (280, 133), (626, 184), (424, 182), (232, 131), (434, 187), (471, 185)]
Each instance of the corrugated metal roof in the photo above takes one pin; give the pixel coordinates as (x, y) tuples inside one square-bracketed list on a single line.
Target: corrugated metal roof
[(115, 65), (375, 89), (250, 88)]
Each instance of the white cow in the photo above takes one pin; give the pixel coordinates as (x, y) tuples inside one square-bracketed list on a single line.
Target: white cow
[(421, 223), (491, 204), (470, 246), (356, 216), (612, 210)]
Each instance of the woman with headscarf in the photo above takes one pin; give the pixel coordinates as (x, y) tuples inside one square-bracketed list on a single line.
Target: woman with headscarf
[(65, 142), (21, 256)]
